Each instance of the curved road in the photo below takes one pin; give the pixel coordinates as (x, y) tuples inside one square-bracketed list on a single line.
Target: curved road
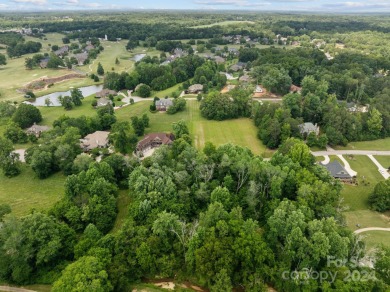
[(353, 152), (371, 229)]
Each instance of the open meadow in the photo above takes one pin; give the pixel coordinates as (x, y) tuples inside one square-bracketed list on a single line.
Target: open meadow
[(25, 191)]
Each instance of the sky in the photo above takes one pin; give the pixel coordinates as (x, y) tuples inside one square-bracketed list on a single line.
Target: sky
[(354, 6)]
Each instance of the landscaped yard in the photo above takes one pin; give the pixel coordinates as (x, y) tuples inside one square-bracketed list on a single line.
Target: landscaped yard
[(240, 131), (381, 144), (26, 191)]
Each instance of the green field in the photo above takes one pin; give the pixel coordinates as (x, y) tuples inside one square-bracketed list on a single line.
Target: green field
[(366, 218), (239, 131), (384, 160), (123, 202), (14, 75), (368, 176), (380, 145), (375, 238), (26, 191)]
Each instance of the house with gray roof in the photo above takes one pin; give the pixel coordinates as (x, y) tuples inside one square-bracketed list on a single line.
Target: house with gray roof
[(306, 128), (194, 89), (103, 102), (37, 130), (62, 51), (99, 139), (163, 104), (337, 170)]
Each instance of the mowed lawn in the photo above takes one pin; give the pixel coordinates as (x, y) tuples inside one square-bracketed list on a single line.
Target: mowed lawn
[(26, 191), (239, 131), (375, 238), (384, 161), (380, 145), (356, 197)]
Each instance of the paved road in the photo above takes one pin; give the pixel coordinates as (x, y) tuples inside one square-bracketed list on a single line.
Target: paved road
[(371, 229), (352, 152), (14, 289)]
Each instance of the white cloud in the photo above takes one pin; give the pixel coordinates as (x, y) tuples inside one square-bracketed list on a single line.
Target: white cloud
[(35, 2), (72, 1), (240, 3)]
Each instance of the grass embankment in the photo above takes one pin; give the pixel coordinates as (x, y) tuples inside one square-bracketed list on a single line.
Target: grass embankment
[(239, 131), (26, 191)]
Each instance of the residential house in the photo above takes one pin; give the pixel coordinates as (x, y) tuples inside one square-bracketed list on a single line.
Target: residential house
[(89, 47), (258, 89), (81, 58), (195, 89), (163, 104), (237, 67), (337, 170), (153, 140), (37, 130), (245, 79), (306, 128), (103, 102), (43, 63), (219, 60), (105, 93), (99, 139), (61, 52), (295, 89)]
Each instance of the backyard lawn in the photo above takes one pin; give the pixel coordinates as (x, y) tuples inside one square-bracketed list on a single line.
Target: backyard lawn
[(26, 191), (239, 131), (384, 160)]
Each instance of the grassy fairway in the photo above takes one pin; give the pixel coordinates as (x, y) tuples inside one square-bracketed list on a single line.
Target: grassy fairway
[(123, 202), (356, 196), (240, 131), (381, 144), (26, 192)]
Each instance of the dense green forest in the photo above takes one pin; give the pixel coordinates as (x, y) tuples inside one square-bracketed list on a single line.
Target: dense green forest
[(220, 216)]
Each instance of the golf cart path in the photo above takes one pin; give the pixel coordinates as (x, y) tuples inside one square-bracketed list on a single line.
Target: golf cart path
[(14, 289)]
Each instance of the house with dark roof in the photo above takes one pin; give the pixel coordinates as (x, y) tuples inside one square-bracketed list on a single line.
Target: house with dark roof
[(153, 140), (337, 170), (163, 104)]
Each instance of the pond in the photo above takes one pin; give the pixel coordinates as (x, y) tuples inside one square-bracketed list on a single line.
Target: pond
[(138, 57), (86, 91)]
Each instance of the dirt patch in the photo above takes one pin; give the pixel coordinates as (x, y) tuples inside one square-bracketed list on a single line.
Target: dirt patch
[(227, 88), (265, 94), (165, 285), (44, 82)]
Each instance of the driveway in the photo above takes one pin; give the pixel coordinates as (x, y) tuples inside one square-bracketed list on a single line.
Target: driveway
[(371, 229), (347, 166), (383, 171)]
